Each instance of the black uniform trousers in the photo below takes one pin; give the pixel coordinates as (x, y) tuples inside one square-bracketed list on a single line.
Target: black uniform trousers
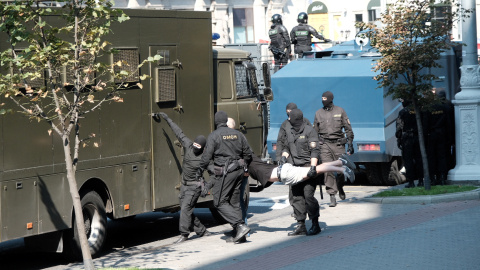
[(330, 151), (437, 154), (304, 200), (281, 59), (188, 221), (226, 197), (412, 158)]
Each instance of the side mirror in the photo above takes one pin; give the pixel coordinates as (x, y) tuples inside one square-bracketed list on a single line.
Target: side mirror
[(268, 93)]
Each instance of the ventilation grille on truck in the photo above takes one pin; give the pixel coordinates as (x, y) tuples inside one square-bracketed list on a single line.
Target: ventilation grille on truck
[(35, 83), (165, 85), (130, 56)]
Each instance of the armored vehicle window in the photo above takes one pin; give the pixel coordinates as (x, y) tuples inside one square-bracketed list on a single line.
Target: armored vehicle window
[(165, 84), (165, 60), (244, 89), (225, 80), (130, 60)]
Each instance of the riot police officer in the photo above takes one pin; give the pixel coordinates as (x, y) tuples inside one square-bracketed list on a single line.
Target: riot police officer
[(231, 154), (191, 187), (279, 41), (301, 35), (332, 124), (302, 141), (407, 140), (440, 129), (282, 141)]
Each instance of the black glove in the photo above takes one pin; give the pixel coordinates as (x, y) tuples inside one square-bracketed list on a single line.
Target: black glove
[(312, 172), (283, 160), (350, 149), (205, 188), (199, 174), (399, 144)]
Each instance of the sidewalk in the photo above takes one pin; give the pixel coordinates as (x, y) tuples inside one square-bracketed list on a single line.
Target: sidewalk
[(440, 232)]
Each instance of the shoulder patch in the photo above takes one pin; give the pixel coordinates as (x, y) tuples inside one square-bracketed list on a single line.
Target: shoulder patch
[(230, 137)]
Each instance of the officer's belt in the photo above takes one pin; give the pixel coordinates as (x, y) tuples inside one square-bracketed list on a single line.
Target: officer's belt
[(190, 183), (233, 166), (331, 140)]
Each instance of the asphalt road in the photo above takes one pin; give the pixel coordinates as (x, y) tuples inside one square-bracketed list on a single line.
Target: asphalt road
[(157, 229)]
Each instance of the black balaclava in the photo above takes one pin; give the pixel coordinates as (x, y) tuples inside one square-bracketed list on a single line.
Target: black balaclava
[(296, 119), (406, 103), (329, 102), (291, 106), (441, 94), (200, 140), (221, 117)]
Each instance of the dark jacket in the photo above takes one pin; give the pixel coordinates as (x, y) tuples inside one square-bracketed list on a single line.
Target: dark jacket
[(225, 144), (302, 145), (330, 124), (191, 162), (282, 138)]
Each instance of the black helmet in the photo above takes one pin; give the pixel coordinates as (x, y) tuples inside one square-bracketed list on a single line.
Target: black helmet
[(277, 18), (302, 17)]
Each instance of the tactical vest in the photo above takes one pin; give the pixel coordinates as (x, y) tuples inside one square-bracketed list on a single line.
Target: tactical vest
[(275, 35), (302, 34)]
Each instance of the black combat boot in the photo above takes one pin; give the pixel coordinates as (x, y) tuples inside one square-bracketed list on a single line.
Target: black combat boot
[(341, 193), (300, 229), (420, 182), (333, 201), (242, 230), (410, 184), (315, 229)]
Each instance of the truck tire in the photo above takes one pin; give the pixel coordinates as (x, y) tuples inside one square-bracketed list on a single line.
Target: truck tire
[(95, 220), (218, 217), (385, 173)]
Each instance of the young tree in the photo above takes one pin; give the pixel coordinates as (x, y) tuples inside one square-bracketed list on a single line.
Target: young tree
[(41, 51), (411, 38)]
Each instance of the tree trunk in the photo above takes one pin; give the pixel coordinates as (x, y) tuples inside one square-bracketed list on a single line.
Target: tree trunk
[(77, 206), (421, 141)]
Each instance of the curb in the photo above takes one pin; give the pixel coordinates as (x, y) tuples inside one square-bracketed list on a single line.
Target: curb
[(427, 199)]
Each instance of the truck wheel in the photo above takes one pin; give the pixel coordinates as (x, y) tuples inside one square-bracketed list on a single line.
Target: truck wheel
[(95, 227)]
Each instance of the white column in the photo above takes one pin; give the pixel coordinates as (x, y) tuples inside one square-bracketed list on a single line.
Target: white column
[(201, 5), (260, 27), (467, 107), (220, 21)]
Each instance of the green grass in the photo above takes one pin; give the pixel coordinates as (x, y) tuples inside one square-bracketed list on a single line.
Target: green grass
[(419, 191)]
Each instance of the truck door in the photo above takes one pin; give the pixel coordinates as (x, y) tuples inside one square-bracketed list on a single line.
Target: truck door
[(166, 152), (237, 97)]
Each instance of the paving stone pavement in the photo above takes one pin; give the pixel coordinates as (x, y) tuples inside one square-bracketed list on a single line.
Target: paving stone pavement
[(360, 233)]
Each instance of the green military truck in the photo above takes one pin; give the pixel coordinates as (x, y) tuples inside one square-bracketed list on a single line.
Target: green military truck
[(137, 166)]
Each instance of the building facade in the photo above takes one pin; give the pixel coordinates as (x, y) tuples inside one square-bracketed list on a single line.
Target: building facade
[(248, 21)]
